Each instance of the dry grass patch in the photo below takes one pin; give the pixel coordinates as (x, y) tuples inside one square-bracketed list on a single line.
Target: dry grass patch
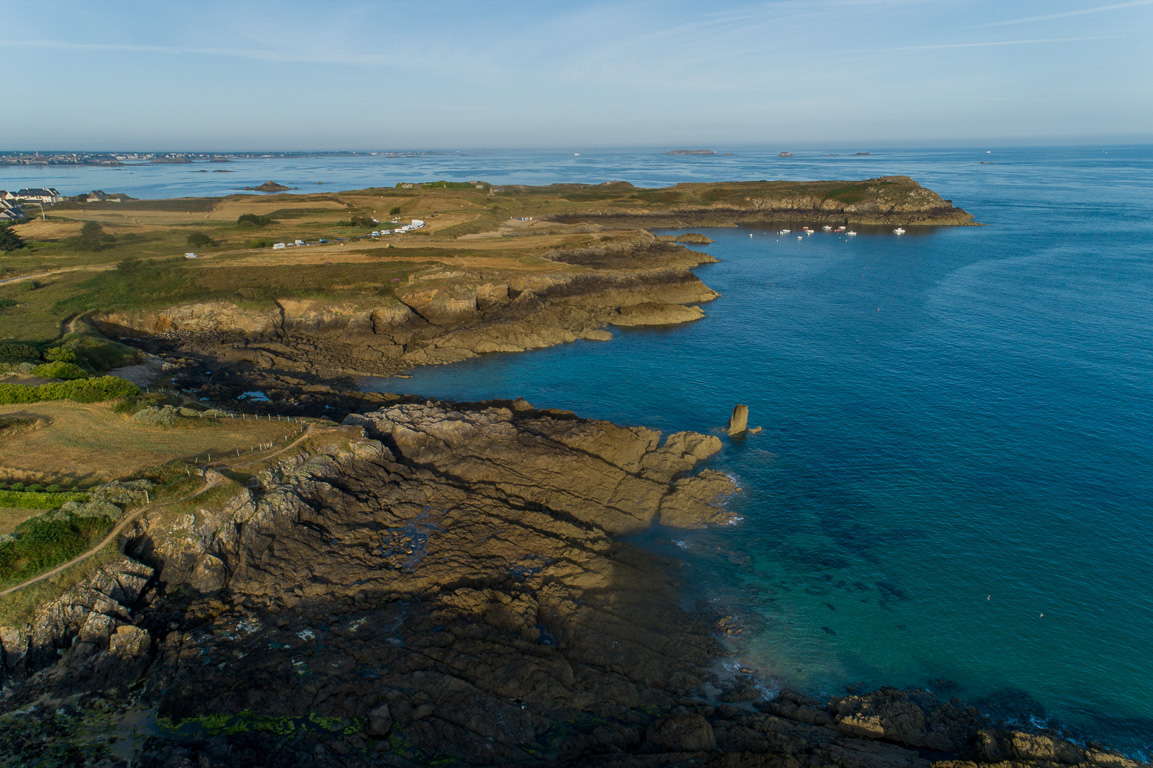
[(86, 444), (10, 518)]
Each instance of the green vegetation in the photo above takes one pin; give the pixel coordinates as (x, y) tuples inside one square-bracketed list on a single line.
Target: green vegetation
[(394, 211), (46, 541), (199, 240), (79, 390), (358, 221), (18, 352), (29, 499), (9, 240), (253, 220), (60, 370), (92, 237)]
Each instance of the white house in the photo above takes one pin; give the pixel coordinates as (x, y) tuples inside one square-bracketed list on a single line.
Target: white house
[(40, 195)]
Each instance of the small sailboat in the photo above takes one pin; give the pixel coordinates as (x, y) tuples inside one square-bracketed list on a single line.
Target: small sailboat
[(785, 231), (827, 228), (851, 233), (898, 231)]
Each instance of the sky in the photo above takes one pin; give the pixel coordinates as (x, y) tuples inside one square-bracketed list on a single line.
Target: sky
[(457, 74)]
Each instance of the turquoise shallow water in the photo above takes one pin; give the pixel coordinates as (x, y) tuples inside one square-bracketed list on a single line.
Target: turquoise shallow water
[(953, 485)]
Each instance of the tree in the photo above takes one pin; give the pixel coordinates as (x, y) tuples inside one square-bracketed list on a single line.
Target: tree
[(200, 240), (395, 211), (9, 240), (91, 236)]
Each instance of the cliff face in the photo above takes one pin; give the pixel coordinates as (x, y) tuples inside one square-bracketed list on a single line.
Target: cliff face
[(440, 321), (447, 586)]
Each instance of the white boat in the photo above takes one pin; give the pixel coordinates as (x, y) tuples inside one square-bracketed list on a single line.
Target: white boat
[(898, 231), (785, 231), (827, 228), (850, 232)]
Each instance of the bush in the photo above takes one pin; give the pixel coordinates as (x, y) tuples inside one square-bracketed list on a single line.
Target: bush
[(79, 390), (395, 211), (60, 370), (45, 541), (163, 416), (60, 355), (252, 220), (260, 242), (200, 240), (30, 499), (18, 352)]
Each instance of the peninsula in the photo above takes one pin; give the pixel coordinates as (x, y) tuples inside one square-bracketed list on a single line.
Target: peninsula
[(401, 582)]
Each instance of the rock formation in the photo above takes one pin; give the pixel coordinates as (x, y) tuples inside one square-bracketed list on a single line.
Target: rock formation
[(441, 584), (739, 421)]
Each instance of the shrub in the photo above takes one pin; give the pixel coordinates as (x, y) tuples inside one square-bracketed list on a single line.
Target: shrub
[(54, 488), (163, 416), (60, 370), (79, 390), (47, 540), (253, 220), (17, 486), (200, 240), (60, 355), (395, 211), (260, 242), (18, 352)]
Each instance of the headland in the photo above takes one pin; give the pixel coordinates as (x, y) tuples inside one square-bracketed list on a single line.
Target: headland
[(410, 582)]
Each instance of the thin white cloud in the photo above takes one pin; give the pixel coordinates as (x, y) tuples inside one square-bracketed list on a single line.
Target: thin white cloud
[(993, 44), (1067, 14)]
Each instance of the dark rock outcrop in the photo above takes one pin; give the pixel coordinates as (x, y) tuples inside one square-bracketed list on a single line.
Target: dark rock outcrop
[(442, 583)]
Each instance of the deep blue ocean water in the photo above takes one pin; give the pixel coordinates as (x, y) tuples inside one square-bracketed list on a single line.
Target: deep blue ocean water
[(954, 485)]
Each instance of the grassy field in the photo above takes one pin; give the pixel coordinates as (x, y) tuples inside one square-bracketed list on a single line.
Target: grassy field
[(493, 232), (87, 444)]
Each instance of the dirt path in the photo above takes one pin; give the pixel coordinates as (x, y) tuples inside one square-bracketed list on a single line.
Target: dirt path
[(208, 485)]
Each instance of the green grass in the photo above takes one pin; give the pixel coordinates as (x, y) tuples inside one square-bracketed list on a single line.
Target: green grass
[(37, 499), (46, 541), (20, 606)]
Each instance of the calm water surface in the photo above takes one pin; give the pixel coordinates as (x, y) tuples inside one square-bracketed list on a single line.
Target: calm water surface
[(953, 484)]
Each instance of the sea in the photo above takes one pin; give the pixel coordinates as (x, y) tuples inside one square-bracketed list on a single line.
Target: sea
[(953, 487)]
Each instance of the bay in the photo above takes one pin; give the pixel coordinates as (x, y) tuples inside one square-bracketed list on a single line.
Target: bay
[(953, 485)]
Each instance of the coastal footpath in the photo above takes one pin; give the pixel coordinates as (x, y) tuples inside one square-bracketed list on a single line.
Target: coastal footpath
[(437, 584)]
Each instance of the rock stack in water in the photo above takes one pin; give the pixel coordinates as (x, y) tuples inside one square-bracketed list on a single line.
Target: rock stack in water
[(739, 421)]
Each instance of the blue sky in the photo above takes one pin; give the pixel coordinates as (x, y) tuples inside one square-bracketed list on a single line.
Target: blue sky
[(454, 75)]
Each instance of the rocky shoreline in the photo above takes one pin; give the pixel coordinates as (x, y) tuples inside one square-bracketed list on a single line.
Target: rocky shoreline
[(296, 344), (442, 583)]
